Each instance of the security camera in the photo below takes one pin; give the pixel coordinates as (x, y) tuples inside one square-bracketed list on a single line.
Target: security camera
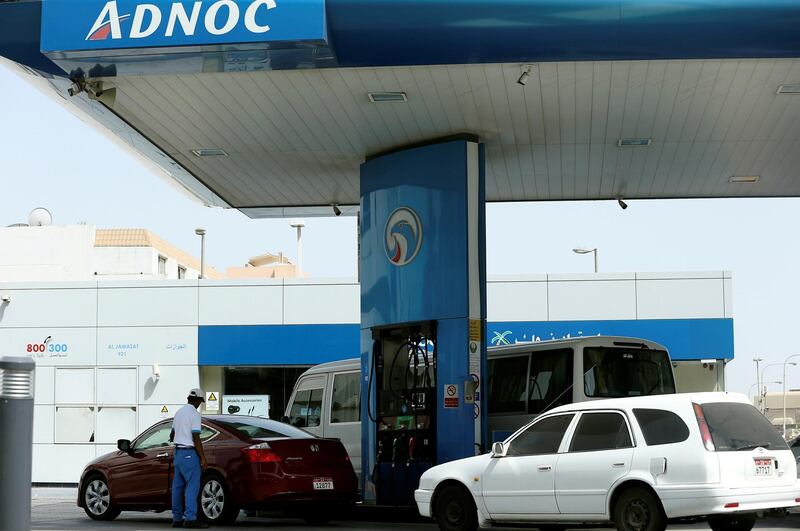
[(5, 298), (525, 76), (74, 89), (156, 371), (336, 211), (622, 204)]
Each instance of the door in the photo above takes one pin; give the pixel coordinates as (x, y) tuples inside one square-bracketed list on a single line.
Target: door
[(599, 454), (143, 478), (343, 419), (521, 484), (306, 410)]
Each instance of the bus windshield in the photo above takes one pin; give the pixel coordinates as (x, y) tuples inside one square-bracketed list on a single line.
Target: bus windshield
[(623, 372)]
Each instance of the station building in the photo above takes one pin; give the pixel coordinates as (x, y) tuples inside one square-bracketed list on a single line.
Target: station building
[(115, 356)]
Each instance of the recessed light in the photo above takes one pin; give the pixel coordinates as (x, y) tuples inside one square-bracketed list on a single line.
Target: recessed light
[(744, 179), (209, 152), (634, 142), (789, 89), (387, 97)]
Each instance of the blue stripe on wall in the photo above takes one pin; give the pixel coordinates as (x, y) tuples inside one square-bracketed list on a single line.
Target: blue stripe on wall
[(277, 344), (686, 339)]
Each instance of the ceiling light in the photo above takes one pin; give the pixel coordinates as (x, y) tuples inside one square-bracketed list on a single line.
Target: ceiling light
[(744, 179), (634, 142), (789, 89), (209, 152), (387, 97)]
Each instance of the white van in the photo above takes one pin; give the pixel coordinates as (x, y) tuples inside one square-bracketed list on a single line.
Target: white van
[(524, 380)]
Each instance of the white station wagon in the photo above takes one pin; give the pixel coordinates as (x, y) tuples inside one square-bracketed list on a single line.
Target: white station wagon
[(637, 462)]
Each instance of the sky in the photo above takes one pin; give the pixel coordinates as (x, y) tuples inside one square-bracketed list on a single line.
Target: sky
[(52, 159)]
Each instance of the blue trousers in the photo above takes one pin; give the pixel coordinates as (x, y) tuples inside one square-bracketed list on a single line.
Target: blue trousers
[(185, 485)]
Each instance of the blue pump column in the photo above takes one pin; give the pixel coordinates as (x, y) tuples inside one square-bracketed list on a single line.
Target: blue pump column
[(422, 262)]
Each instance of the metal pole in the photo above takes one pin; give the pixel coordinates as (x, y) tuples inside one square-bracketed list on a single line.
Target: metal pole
[(203, 256), (299, 250), (16, 443), (595, 260), (784, 400)]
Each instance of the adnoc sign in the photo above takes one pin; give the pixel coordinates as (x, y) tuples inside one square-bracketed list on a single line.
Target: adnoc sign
[(88, 25)]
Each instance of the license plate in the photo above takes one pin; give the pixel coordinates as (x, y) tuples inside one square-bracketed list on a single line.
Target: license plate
[(323, 483), (764, 467)]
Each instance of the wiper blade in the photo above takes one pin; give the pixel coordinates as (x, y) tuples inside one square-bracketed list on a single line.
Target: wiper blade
[(754, 446)]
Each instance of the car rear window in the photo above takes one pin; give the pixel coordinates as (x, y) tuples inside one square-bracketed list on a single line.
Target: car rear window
[(661, 427), (257, 428), (736, 426)]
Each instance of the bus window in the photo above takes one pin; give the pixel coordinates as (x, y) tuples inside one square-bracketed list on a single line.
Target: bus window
[(507, 384), (621, 372), (550, 380)]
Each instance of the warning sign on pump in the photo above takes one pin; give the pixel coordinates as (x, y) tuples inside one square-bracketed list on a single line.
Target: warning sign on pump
[(475, 329), (164, 411), (450, 396)]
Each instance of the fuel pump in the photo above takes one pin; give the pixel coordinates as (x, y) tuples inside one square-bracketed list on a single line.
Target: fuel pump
[(405, 417), (422, 272)]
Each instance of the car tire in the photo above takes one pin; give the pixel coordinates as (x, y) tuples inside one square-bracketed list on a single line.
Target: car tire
[(455, 510), (732, 522), (96, 499), (215, 504), (638, 509)]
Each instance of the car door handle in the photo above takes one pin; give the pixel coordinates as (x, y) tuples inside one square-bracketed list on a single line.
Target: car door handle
[(618, 465), (165, 454), (545, 468)]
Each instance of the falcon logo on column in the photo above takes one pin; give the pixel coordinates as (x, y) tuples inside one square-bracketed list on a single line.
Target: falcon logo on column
[(403, 236)]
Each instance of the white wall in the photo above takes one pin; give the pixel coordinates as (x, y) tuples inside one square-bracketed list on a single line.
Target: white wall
[(55, 253)]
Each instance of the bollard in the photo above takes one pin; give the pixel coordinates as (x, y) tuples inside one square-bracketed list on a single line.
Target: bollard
[(16, 442)]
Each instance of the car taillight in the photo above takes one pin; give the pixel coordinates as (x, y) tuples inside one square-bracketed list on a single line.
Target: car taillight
[(261, 453), (708, 442)]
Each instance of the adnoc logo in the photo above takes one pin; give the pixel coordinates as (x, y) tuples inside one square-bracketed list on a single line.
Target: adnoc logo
[(403, 236), (218, 18)]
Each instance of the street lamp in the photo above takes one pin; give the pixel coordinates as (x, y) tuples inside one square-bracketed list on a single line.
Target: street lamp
[(784, 390), (299, 224), (763, 392), (758, 377), (749, 391), (584, 250), (202, 234)]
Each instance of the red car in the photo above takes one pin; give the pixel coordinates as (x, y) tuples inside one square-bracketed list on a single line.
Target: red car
[(253, 463)]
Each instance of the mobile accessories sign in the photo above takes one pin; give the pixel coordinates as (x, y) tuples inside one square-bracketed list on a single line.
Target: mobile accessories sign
[(86, 25)]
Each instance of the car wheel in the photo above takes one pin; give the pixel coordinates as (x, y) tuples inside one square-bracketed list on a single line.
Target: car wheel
[(216, 503), (638, 509), (96, 498), (455, 510), (732, 522)]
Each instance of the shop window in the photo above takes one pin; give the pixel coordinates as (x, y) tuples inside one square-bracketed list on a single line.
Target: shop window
[(345, 403), (162, 265), (74, 424), (181, 272), (306, 408), (114, 423)]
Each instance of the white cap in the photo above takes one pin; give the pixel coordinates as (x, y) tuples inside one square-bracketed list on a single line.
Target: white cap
[(197, 393)]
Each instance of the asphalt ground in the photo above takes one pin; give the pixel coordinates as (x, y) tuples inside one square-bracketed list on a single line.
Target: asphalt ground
[(58, 512)]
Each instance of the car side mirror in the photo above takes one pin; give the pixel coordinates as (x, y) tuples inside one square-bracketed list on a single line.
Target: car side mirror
[(499, 449), (124, 445)]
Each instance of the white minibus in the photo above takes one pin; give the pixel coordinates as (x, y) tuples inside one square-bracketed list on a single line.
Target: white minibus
[(524, 380)]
